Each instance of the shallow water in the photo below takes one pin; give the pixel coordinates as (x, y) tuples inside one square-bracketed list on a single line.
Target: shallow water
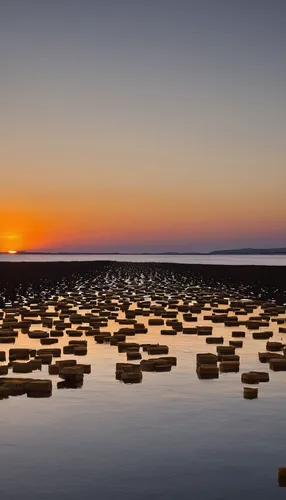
[(173, 436), (230, 260)]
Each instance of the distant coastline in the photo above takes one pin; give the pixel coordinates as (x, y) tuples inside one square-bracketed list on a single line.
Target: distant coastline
[(240, 251), (250, 251)]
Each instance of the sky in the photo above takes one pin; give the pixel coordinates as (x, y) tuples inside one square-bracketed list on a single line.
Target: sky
[(142, 125)]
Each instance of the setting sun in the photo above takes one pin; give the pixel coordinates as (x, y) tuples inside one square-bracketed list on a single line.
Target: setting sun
[(23, 229), (10, 242)]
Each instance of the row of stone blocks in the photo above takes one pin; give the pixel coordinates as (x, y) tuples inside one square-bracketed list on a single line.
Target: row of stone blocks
[(132, 373), (34, 388)]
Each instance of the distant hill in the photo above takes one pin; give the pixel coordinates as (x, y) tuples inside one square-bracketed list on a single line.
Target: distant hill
[(250, 251)]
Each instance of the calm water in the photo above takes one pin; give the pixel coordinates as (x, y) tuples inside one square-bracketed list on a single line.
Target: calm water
[(171, 437), (231, 260)]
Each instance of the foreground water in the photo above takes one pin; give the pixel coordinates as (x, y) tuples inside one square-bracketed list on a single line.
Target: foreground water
[(172, 436), (230, 260)]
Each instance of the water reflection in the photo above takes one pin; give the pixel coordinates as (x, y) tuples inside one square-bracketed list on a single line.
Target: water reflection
[(232, 260), (171, 435)]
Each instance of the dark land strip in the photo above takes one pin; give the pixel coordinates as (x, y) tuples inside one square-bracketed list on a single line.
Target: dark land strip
[(40, 280)]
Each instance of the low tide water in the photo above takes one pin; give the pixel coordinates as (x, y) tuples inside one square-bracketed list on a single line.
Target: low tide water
[(230, 260), (171, 437)]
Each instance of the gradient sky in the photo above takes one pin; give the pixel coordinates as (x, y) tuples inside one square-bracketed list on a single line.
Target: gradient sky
[(142, 125)]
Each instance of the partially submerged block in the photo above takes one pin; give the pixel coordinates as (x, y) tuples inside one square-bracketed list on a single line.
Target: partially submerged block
[(39, 389), (229, 366), (282, 477), (249, 378), (207, 371), (206, 359), (250, 393), (274, 346), (158, 349), (277, 365)]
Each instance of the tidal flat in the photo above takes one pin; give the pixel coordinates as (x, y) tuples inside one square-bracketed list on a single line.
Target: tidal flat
[(134, 380)]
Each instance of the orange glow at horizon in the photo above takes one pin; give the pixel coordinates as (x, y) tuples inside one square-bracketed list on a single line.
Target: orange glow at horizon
[(60, 224), (23, 229)]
